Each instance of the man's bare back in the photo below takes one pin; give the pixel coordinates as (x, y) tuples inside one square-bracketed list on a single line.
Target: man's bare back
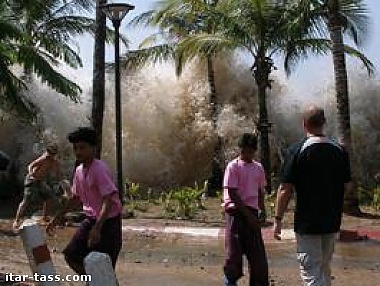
[(37, 181), (42, 166)]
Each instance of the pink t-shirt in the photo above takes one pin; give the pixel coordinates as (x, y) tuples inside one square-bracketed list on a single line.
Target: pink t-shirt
[(247, 178), (91, 184)]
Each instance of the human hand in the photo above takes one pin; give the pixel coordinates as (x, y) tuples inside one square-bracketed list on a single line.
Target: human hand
[(254, 222), (50, 228), (94, 236), (262, 217), (277, 229)]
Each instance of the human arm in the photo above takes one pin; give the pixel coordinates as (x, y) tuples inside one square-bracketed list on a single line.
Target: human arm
[(348, 187), (235, 198), (58, 171), (36, 163), (261, 196), (347, 177), (94, 236), (231, 184), (71, 203), (262, 216), (285, 190), (284, 194), (108, 192)]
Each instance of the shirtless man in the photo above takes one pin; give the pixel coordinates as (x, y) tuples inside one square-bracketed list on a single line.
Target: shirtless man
[(36, 185)]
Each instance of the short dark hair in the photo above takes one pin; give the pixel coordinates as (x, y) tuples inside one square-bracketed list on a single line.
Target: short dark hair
[(52, 148), (248, 140), (314, 117), (83, 134)]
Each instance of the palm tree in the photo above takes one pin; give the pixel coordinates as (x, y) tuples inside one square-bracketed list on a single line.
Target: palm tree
[(42, 38), (263, 29), (336, 25), (49, 28), (176, 19), (258, 27), (338, 17), (10, 84)]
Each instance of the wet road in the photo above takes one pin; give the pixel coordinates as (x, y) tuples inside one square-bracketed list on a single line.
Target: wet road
[(172, 260)]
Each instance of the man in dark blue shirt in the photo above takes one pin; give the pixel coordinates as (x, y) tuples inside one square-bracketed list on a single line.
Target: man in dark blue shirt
[(317, 168)]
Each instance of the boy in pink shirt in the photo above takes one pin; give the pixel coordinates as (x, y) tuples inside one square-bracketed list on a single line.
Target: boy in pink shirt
[(93, 186), (244, 182)]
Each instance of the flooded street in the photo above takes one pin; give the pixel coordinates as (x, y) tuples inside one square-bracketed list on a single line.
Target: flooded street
[(171, 260)]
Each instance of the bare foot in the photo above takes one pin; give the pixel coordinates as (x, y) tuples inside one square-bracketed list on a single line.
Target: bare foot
[(16, 226), (44, 221)]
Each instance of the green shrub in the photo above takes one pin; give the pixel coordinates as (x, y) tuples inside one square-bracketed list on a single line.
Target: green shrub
[(376, 199), (133, 193), (369, 197), (365, 196), (270, 204), (183, 202)]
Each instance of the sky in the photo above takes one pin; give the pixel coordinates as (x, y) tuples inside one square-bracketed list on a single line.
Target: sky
[(308, 75)]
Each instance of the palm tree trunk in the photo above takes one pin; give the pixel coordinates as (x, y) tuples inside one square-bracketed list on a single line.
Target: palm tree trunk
[(98, 84), (264, 129), (261, 71), (28, 72), (351, 202), (215, 181)]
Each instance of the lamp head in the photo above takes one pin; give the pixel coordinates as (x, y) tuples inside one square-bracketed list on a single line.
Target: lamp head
[(116, 11)]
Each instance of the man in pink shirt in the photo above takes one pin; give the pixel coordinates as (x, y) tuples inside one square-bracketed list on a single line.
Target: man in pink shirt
[(94, 187), (244, 182)]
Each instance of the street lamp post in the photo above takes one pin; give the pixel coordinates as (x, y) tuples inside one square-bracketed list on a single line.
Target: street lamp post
[(116, 12)]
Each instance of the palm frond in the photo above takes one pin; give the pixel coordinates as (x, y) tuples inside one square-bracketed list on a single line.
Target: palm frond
[(369, 66), (203, 45), (309, 17), (138, 58), (12, 98), (62, 51), (66, 27), (110, 37), (144, 19), (33, 10), (71, 7), (150, 40), (9, 30), (303, 49), (356, 19), (32, 58)]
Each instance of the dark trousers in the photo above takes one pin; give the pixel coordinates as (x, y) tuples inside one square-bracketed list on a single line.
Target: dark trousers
[(241, 239), (110, 241)]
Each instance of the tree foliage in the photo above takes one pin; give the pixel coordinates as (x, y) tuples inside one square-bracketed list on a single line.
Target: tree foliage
[(39, 36)]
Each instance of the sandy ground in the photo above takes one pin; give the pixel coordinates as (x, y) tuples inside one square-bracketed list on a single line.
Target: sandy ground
[(172, 260)]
